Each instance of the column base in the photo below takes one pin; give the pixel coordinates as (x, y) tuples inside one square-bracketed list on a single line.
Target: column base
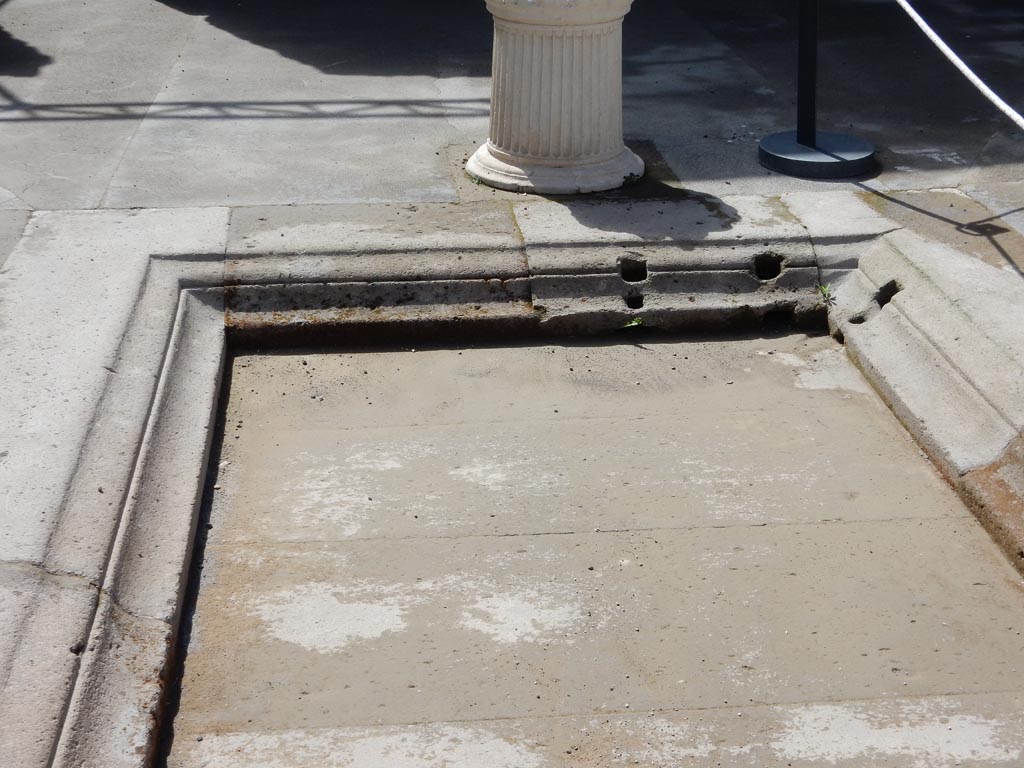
[(555, 179)]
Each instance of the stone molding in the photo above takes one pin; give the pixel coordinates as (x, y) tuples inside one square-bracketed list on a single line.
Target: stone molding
[(560, 13), (99, 641)]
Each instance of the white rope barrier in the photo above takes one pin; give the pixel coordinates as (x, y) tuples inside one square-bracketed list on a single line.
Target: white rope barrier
[(957, 62)]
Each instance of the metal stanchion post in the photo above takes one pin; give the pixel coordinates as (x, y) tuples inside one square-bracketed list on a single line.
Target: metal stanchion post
[(807, 75), (808, 152)]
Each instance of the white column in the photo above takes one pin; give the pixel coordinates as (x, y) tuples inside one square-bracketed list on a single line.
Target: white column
[(556, 98)]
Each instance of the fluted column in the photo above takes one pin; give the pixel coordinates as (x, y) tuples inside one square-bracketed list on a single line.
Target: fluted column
[(556, 98)]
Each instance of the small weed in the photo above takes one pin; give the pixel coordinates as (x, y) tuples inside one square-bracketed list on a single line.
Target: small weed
[(632, 178), (827, 297), (635, 322)]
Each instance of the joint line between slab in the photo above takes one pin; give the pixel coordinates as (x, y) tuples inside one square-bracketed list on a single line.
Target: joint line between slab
[(643, 711), (131, 139), (967, 517)]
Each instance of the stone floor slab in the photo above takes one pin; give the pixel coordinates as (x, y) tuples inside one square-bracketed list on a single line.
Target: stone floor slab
[(491, 627), (615, 447), (488, 559), (309, 141), (938, 732)]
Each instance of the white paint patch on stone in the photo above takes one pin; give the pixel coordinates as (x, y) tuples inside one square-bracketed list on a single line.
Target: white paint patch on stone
[(666, 744), (326, 617), (528, 614), (374, 462), (720, 559), (936, 154), (832, 369), (373, 483), (918, 735), (827, 369), (388, 456), (312, 616), (746, 749), (416, 746), (341, 493), (787, 358), (321, 496), (492, 476), (497, 466), (246, 557), (734, 492)]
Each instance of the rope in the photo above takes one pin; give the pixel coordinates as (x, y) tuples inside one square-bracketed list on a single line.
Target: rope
[(957, 62)]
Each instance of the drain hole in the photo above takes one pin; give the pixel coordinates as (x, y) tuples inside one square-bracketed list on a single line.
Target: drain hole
[(886, 292), (634, 302), (777, 319), (857, 319), (633, 270), (767, 266)]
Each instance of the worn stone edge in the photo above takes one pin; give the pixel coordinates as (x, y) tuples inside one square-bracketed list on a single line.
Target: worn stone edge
[(113, 711), (96, 495), (997, 503), (992, 486)]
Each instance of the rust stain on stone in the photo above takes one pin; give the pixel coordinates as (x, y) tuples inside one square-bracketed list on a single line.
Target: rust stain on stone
[(996, 496)]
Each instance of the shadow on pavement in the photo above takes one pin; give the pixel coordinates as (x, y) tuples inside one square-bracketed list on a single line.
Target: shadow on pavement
[(660, 226), (658, 184), (385, 37), (880, 76), (18, 58)]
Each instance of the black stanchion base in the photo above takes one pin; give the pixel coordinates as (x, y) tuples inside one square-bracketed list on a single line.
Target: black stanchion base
[(836, 156)]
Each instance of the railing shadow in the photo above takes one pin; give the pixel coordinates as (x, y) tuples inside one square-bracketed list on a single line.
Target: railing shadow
[(19, 110), (987, 228)]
